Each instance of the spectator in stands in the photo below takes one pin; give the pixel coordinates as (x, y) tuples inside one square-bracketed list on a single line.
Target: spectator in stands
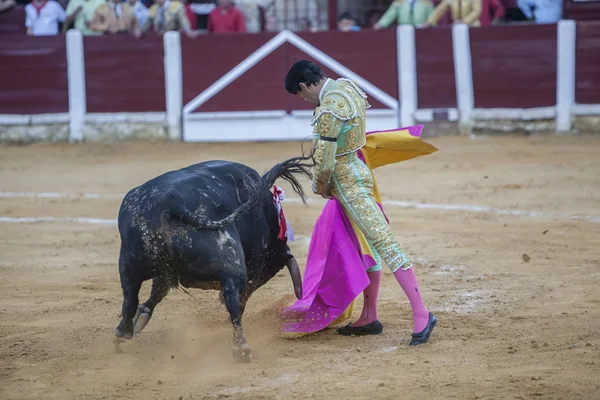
[(347, 23), (492, 11), (305, 25), (372, 17), (252, 10), (289, 14), (512, 11), (42, 17), (81, 13), (406, 12), (190, 14), (140, 11), (226, 18), (115, 17), (7, 4), (168, 15), (542, 11), (462, 11)]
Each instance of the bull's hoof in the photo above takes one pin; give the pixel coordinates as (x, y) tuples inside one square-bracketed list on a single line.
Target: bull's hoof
[(141, 319), (242, 353), (117, 341), (122, 334)]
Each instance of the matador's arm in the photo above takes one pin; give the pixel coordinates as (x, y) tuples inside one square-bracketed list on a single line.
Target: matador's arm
[(328, 128)]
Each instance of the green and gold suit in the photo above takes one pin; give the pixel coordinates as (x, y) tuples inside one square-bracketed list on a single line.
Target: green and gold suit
[(339, 132)]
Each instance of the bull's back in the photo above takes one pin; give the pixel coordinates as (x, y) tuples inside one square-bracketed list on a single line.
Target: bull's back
[(211, 189)]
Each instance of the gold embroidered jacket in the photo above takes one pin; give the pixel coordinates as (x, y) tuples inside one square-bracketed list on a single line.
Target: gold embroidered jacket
[(173, 18), (339, 127)]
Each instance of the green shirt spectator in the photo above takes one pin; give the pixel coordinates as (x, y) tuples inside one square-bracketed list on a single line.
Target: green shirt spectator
[(406, 12), (82, 12)]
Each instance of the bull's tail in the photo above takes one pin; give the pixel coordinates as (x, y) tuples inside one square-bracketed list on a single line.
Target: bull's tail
[(288, 170)]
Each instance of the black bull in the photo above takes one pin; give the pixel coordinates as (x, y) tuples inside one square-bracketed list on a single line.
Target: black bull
[(211, 225)]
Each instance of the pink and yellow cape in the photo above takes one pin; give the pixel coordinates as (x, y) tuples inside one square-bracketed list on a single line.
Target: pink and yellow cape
[(339, 256)]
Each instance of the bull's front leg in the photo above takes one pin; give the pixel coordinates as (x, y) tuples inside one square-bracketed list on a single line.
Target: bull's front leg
[(232, 289)]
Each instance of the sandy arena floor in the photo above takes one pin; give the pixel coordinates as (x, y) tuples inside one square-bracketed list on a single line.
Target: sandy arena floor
[(508, 329)]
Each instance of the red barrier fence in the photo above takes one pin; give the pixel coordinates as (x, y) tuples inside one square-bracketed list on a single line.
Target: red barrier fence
[(587, 63), (513, 67), (33, 75), (370, 54), (435, 68), (124, 74)]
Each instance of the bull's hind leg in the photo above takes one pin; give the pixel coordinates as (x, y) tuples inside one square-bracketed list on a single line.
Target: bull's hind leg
[(131, 282), (232, 289), (131, 289), (160, 288)]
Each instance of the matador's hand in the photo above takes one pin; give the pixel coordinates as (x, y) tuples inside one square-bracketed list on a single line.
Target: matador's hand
[(326, 192), (323, 192)]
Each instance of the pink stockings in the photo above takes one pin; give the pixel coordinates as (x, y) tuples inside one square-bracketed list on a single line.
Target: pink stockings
[(370, 294), (408, 282)]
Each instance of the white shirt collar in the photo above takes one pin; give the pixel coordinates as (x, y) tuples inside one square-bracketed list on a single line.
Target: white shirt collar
[(323, 89)]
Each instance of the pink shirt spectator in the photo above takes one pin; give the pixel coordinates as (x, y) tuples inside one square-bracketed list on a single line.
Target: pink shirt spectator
[(226, 20), (490, 10)]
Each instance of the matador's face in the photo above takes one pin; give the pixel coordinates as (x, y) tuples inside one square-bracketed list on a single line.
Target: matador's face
[(309, 93)]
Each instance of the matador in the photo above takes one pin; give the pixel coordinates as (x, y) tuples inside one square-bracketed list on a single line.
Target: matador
[(338, 133)]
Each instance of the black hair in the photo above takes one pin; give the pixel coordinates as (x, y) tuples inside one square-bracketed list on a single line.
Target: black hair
[(346, 15), (303, 71)]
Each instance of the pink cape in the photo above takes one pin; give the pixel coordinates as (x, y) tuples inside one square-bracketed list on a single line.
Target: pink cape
[(336, 273), (336, 269)]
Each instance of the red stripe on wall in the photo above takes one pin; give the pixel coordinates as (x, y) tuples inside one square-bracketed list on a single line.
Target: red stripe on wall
[(435, 68), (587, 63), (208, 58), (124, 74), (514, 66), (371, 55), (33, 75)]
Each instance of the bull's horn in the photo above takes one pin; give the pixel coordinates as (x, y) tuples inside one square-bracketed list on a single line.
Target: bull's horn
[(292, 265)]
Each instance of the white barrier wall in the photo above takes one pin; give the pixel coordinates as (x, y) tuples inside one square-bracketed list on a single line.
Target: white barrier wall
[(181, 122)]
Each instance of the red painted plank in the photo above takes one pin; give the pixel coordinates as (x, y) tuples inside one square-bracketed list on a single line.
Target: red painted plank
[(33, 74), (124, 74), (514, 66), (587, 63), (435, 68), (371, 55)]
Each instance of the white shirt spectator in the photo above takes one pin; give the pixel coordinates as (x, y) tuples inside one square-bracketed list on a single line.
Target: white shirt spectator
[(116, 8), (45, 22), (545, 11), (140, 11)]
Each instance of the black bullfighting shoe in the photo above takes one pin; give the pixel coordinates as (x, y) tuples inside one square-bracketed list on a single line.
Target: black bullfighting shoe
[(374, 328), (423, 336)]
